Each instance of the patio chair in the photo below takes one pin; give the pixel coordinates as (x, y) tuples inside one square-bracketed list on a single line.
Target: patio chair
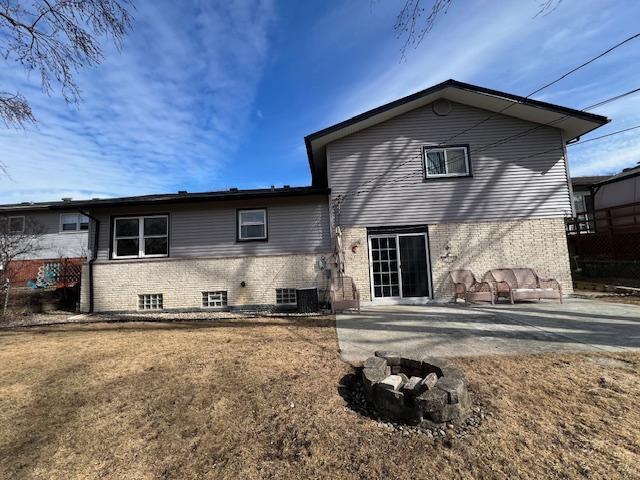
[(344, 294), (468, 288), (524, 284)]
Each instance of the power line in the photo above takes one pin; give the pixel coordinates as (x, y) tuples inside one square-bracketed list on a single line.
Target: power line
[(554, 149), (537, 127), (609, 100), (603, 136), (588, 62), (510, 138)]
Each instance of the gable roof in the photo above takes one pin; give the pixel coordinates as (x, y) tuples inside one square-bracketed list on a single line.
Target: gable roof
[(623, 175), (576, 123)]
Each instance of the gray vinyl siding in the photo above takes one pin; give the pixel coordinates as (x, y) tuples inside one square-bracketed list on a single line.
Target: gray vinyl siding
[(295, 225), (384, 165), (53, 244)]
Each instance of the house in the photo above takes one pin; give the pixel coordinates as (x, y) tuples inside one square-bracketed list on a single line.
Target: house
[(604, 236), (454, 176), (582, 191), (59, 234)]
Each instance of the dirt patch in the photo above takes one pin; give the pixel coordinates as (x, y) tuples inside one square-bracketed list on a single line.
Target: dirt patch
[(259, 398)]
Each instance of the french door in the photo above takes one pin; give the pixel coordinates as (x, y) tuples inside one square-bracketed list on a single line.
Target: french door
[(399, 266)]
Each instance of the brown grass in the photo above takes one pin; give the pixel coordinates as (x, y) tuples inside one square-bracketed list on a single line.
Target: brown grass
[(259, 399)]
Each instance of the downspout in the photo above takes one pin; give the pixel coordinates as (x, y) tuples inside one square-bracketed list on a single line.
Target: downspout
[(94, 255)]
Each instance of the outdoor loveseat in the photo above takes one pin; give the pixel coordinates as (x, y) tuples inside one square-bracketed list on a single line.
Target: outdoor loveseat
[(523, 284)]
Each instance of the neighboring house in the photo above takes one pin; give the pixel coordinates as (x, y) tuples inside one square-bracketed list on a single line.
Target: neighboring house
[(62, 235), (606, 229), (582, 192), (454, 176)]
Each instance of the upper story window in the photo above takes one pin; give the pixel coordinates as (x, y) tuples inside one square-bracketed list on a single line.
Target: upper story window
[(73, 222), (252, 224), (146, 236), (452, 161), (13, 224)]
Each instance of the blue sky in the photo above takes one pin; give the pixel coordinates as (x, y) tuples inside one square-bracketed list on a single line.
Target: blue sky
[(209, 95)]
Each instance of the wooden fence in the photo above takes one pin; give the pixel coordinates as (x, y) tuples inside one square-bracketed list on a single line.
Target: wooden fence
[(606, 233)]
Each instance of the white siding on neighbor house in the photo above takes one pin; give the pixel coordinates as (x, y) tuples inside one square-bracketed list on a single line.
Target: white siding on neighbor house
[(298, 224), (618, 193), (54, 244), (386, 162)]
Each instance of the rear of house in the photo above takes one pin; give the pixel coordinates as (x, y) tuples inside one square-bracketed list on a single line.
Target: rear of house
[(454, 177)]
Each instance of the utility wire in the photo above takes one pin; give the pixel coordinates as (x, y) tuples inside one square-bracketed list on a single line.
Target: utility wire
[(603, 136), (588, 62), (510, 138)]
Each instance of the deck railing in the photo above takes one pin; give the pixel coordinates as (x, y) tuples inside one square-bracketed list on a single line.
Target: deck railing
[(621, 218)]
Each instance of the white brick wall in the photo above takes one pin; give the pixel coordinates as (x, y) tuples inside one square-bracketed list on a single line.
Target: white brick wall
[(540, 244), (356, 260), (117, 284), (537, 243)]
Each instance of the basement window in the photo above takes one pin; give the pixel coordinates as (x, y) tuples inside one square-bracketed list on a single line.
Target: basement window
[(150, 301), (452, 161), (214, 299), (138, 237), (285, 296)]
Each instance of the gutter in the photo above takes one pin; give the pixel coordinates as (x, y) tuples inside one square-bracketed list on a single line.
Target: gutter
[(94, 255)]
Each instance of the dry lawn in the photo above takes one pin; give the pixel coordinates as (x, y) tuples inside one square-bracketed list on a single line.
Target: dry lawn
[(246, 399)]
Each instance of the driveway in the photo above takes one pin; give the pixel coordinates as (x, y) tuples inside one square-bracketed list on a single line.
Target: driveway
[(578, 325)]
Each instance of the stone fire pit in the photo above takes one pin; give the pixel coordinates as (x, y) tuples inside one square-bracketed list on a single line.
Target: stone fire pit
[(414, 390)]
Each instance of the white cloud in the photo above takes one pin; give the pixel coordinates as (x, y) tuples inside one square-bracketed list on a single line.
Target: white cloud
[(169, 110)]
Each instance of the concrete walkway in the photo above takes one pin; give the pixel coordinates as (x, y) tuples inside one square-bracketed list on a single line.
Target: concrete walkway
[(456, 330)]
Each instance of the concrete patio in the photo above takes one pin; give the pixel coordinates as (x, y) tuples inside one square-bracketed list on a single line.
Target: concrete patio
[(578, 325)]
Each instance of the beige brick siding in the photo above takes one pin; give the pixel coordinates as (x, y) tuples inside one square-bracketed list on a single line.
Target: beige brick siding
[(356, 259), (540, 244), (182, 281), (480, 246)]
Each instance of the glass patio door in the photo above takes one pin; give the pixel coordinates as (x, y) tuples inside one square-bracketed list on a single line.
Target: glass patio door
[(399, 266)]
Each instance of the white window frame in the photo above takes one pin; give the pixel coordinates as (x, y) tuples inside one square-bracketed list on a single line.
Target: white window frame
[(241, 224), (211, 298), (287, 295), (78, 223), (150, 301), (24, 224), (427, 148), (140, 237)]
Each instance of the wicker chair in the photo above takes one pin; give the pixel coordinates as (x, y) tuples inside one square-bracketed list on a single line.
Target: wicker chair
[(469, 288), (344, 294), (524, 284)]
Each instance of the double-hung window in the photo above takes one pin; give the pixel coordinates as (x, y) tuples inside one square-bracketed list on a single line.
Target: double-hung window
[(450, 161), (16, 225), (252, 224), (73, 222), (146, 236)]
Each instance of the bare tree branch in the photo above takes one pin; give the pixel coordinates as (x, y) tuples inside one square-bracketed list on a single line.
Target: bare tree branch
[(56, 39), (412, 24), (547, 7)]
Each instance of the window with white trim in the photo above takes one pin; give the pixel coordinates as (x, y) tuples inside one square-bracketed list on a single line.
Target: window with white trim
[(15, 224), (214, 299), (150, 301), (135, 237), (252, 224), (286, 296), (450, 161), (73, 222)]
